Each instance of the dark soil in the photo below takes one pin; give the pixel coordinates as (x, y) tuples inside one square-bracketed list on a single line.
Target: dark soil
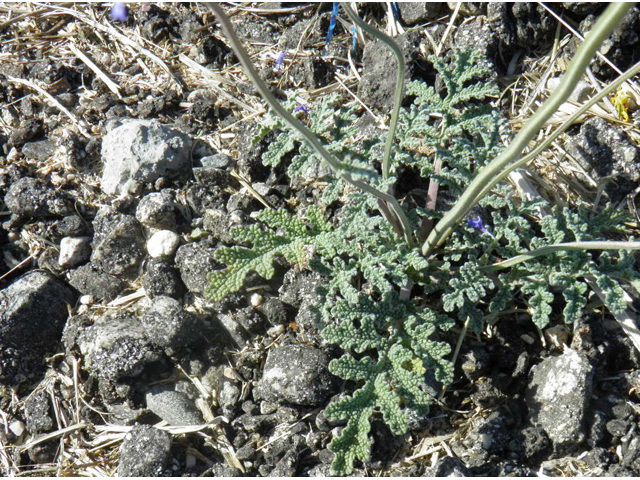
[(112, 362)]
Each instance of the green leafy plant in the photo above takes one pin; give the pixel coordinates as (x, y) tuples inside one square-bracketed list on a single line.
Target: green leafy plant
[(388, 303)]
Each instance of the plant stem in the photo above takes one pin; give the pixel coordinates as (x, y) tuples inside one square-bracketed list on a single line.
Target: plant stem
[(559, 247), (296, 124), (602, 29), (399, 83), (556, 133)]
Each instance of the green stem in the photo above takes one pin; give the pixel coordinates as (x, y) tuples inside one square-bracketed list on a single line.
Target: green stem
[(602, 29), (393, 124), (559, 247), (296, 124), (556, 133)]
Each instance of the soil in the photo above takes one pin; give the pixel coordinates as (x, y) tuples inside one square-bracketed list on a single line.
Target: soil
[(114, 362)]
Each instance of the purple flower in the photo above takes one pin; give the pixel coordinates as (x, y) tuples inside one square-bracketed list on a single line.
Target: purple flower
[(301, 108), (279, 61), (479, 224), (119, 11)]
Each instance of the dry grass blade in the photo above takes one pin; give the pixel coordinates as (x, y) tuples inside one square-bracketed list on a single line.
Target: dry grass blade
[(103, 76), (109, 29), (50, 436), (52, 101), (214, 79)]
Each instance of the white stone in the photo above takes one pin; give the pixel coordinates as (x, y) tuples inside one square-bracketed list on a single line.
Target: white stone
[(17, 427), (256, 300), (163, 243), (74, 251)]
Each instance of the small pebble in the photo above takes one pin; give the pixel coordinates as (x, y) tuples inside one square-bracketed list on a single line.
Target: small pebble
[(74, 251), (17, 427), (256, 300), (163, 243), (275, 331), (87, 299), (13, 236)]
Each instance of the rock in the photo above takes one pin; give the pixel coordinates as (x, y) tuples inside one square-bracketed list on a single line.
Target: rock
[(477, 36), (219, 160), (276, 311), (523, 25), (170, 324), (145, 452), (234, 330), (139, 152), (71, 226), (413, 13), (116, 346), (30, 198), (37, 411), (605, 151), (228, 396), (163, 244), (176, 408), (378, 82), (40, 150), (218, 223), (161, 278), (74, 251), (450, 467), (157, 210), (485, 437), (118, 243), (296, 374), (557, 397), (98, 284), (33, 311), (195, 261)]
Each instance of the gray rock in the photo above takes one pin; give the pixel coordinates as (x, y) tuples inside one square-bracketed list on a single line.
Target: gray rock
[(169, 324), (90, 281), (378, 82), (124, 414), (33, 311), (71, 226), (524, 25), (296, 374), (145, 452), (477, 36), (605, 151), (557, 397), (118, 243), (236, 331), (37, 411), (176, 408), (228, 396), (450, 467), (218, 223), (30, 198), (219, 160), (161, 278), (74, 251), (157, 210), (116, 346), (484, 437), (40, 150), (139, 152), (413, 13), (195, 261)]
